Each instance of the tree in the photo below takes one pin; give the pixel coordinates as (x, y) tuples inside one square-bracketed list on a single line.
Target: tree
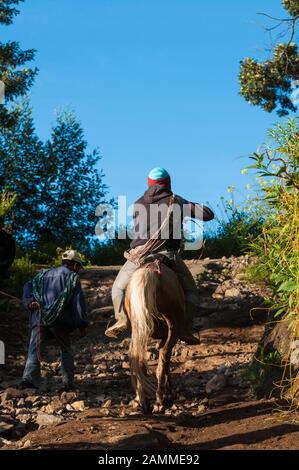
[(22, 171), (17, 79), (270, 84), (73, 186)]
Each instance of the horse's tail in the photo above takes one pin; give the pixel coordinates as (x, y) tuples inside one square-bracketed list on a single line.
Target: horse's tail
[(143, 311)]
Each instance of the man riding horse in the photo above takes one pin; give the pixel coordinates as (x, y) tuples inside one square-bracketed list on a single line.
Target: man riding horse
[(159, 199)]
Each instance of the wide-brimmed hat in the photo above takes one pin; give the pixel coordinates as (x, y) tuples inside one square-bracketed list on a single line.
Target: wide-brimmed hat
[(72, 255)]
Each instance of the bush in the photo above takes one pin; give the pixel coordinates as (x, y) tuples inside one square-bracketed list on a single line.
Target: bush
[(109, 253), (235, 229), (277, 247), (20, 272)]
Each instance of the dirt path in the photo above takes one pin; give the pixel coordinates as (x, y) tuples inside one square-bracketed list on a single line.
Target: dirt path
[(214, 409)]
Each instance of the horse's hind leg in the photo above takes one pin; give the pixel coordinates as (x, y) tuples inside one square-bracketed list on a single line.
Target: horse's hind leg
[(164, 392)]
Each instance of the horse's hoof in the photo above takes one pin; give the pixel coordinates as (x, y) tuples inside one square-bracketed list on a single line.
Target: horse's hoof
[(159, 409), (135, 404)]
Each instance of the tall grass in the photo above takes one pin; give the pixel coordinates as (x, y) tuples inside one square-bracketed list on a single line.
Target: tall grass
[(277, 248)]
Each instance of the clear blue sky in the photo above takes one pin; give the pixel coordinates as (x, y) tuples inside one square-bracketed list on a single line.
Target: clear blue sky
[(154, 83)]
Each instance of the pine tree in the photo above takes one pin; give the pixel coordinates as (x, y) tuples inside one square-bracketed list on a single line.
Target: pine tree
[(17, 79), (22, 171), (74, 185), (270, 84)]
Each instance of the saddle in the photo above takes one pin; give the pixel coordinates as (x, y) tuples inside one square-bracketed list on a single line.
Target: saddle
[(160, 258)]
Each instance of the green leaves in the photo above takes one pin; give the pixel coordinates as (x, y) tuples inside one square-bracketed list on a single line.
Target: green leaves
[(17, 78), (270, 84), (7, 12), (278, 247), (292, 6), (288, 286)]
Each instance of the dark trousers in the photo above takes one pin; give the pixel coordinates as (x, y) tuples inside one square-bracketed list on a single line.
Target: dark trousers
[(62, 338)]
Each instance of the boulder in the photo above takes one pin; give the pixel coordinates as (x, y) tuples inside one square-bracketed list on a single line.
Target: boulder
[(44, 419), (79, 405), (10, 394), (216, 383), (232, 292)]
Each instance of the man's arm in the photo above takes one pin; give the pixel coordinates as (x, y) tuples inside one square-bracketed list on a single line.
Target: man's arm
[(198, 211), (204, 211), (28, 298), (79, 308)]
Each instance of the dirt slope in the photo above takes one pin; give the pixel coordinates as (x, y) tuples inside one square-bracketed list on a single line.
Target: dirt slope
[(214, 408)]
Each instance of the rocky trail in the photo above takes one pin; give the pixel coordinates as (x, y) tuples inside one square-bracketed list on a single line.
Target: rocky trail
[(215, 407)]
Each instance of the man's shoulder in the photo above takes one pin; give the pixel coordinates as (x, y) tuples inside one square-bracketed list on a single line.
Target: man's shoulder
[(180, 200), (58, 271), (140, 200)]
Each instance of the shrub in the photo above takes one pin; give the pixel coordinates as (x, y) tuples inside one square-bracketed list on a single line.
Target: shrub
[(277, 247), (20, 272)]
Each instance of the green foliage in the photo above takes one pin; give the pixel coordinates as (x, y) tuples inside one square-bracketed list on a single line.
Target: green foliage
[(7, 11), (278, 247), (236, 228), (292, 6), (20, 272), (7, 202), (57, 185), (256, 272), (264, 369), (22, 169), (72, 186), (270, 84), (16, 77), (109, 253)]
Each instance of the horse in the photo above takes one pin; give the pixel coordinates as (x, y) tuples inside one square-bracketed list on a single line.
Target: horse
[(155, 305)]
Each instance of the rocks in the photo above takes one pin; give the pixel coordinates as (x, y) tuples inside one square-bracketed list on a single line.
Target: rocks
[(9, 394), (45, 419), (24, 416), (294, 357), (5, 442), (54, 407), (68, 397), (102, 366), (79, 405), (216, 383), (201, 409), (26, 444), (107, 404), (232, 292), (7, 424), (278, 338)]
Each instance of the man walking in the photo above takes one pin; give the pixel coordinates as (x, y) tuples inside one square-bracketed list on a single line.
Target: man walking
[(57, 307)]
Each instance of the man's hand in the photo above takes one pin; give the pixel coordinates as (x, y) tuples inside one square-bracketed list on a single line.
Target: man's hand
[(34, 306)]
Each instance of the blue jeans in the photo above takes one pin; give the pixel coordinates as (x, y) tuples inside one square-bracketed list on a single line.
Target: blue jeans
[(62, 338), (185, 277)]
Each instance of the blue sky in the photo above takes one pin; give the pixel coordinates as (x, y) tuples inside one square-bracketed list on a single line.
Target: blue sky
[(154, 83)]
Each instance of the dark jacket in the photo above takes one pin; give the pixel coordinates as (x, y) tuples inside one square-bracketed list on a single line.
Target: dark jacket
[(7, 251), (146, 225), (74, 314)]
